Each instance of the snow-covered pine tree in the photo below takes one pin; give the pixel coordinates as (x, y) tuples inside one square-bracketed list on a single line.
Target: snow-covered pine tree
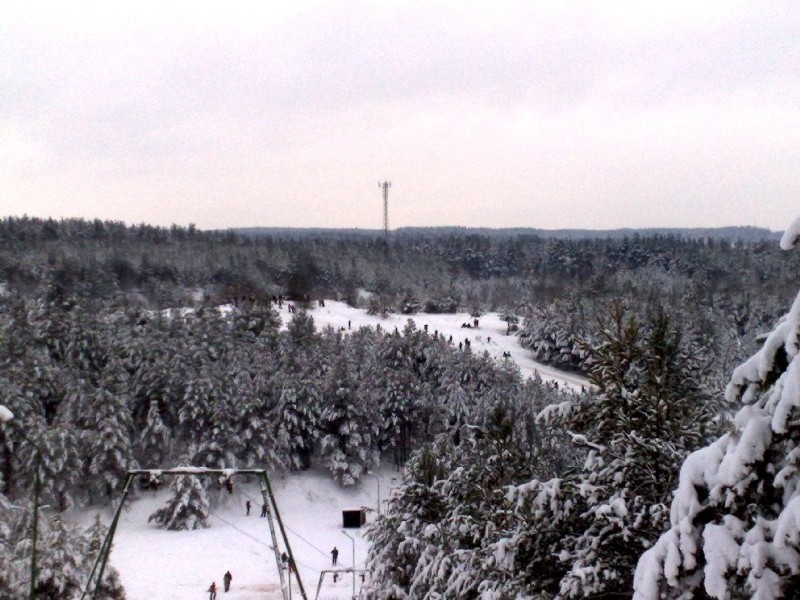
[(300, 330), (60, 566), (458, 559), (255, 408), (735, 517), (212, 453), (298, 385), (110, 450), (579, 535), (347, 447), (254, 318), (187, 507), (649, 411), (61, 465), (399, 383), (91, 543), (297, 423), (553, 333), (210, 412), (398, 537), (6, 546), (200, 395), (155, 440), (164, 371), (450, 530)]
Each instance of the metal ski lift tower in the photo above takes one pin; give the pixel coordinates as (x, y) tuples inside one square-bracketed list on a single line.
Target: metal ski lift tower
[(385, 187), (94, 583)]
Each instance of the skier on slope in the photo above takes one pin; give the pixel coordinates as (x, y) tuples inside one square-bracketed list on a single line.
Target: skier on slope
[(226, 580), (212, 591)]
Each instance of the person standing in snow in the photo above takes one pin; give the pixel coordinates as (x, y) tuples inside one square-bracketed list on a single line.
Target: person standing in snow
[(226, 580), (264, 510), (284, 560), (334, 555), (247, 506), (212, 591)]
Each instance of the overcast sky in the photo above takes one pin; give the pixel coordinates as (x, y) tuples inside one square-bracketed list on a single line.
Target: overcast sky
[(531, 114)]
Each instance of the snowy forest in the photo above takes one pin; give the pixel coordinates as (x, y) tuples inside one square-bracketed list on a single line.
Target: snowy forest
[(673, 475)]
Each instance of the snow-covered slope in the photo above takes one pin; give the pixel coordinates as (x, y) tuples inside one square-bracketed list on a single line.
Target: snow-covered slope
[(180, 565), (490, 335)]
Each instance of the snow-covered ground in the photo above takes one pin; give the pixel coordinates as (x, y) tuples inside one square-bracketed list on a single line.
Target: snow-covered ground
[(180, 565), (158, 564), (490, 335)]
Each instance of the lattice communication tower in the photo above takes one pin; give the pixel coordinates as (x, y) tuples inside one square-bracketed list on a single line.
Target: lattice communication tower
[(385, 187)]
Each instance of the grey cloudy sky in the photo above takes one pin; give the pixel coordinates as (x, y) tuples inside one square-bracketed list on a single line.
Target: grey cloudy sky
[(543, 114)]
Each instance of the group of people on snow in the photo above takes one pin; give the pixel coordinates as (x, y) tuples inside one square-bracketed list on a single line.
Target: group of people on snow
[(227, 578)]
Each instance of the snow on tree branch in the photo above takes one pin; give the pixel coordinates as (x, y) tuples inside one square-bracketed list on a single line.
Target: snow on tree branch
[(735, 518), (791, 235)]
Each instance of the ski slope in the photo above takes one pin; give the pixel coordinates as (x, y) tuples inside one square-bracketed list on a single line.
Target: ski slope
[(180, 565), (490, 335)]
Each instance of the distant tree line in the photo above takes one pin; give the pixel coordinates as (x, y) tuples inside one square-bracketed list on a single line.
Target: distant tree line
[(158, 266), (552, 287)]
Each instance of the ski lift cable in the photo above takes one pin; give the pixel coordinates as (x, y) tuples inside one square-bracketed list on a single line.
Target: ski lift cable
[(325, 554), (255, 539), (322, 552), (242, 531)]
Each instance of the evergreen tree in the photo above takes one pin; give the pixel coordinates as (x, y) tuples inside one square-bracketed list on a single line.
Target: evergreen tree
[(650, 410), (300, 331), (402, 388), (253, 421), (457, 560), (91, 543), (187, 507), (6, 547), (212, 453), (297, 419), (110, 450), (579, 535), (735, 518), (155, 440), (60, 569), (61, 466), (298, 386), (347, 446), (400, 535), (453, 528)]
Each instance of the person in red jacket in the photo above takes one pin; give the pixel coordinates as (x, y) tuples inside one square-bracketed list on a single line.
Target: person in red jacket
[(212, 591)]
